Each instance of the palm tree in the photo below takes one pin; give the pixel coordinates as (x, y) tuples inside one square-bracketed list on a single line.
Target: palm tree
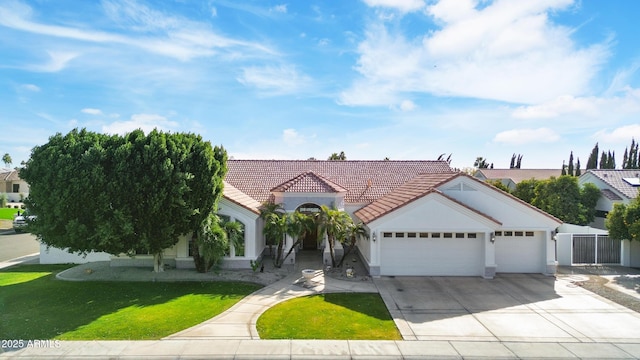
[(354, 232), (267, 211), (275, 227), (298, 225), (333, 223), (6, 159), (235, 235), (210, 244)]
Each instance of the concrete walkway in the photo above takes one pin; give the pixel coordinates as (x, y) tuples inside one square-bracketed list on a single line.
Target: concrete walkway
[(239, 322)]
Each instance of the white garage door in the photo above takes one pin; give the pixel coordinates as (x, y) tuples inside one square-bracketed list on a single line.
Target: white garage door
[(518, 253), (431, 256)]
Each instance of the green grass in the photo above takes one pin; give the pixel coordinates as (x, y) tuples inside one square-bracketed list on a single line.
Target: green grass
[(34, 305), (342, 316), (7, 213)]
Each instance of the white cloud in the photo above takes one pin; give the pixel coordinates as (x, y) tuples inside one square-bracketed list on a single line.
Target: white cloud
[(58, 60), (324, 42), (146, 122), (400, 5), (214, 11), (30, 87), (591, 107), (92, 111), (525, 136), (292, 137), (407, 105), (160, 33), (279, 8), (274, 80), (622, 134), (507, 51)]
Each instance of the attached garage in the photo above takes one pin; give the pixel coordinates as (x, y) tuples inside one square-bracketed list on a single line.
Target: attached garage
[(431, 256), (435, 225), (520, 251)]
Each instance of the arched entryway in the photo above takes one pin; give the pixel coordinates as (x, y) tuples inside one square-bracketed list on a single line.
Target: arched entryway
[(310, 241)]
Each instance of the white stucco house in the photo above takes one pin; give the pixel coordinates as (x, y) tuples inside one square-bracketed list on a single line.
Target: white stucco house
[(12, 186), (616, 187), (422, 218)]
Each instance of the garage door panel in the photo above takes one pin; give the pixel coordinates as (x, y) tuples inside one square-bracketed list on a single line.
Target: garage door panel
[(431, 257), (519, 254)]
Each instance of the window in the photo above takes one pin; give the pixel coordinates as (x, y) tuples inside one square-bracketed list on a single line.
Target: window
[(435, 235), (16, 188), (448, 235), (529, 233), (459, 235), (399, 235), (508, 233), (498, 233), (411, 235), (519, 233), (471, 235), (424, 235), (386, 234)]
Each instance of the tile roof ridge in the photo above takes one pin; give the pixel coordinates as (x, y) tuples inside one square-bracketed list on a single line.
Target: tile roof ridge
[(308, 173)]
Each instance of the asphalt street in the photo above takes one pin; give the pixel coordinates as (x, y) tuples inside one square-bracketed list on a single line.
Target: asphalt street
[(14, 245)]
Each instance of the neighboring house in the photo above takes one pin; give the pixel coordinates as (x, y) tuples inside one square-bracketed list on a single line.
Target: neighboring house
[(15, 188), (616, 186), (422, 218), (511, 177)]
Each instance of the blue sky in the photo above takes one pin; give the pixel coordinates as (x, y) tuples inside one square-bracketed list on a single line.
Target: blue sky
[(404, 79)]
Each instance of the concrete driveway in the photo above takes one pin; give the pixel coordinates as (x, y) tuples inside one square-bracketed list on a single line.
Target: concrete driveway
[(509, 308)]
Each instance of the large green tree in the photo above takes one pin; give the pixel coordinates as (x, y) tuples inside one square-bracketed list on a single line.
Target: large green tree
[(592, 162), (561, 197), (122, 194), (623, 222), (336, 156)]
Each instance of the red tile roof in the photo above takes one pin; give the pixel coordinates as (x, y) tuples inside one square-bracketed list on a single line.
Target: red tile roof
[(423, 185), (517, 175), (309, 182), (238, 197), (416, 188), (364, 181)]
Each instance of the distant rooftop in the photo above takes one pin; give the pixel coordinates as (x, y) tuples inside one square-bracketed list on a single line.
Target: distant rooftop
[(517, 175), (619, 180)]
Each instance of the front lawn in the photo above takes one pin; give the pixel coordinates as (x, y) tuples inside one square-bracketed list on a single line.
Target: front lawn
[(34, 305), (343, 316), (8, 213)]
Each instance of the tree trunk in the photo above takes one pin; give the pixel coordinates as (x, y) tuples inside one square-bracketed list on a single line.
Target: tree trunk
[(331, 251), (158, 263), (277, 262), (197, 259), (298, 242), (352, 244)]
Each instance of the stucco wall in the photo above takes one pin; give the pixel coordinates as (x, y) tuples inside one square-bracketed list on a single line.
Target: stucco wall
[(52, 255)]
